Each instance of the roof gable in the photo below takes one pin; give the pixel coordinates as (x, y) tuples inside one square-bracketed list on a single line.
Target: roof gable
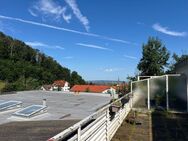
[(59, 83)]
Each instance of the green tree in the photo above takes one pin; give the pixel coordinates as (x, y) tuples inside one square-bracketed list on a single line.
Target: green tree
[(154, 58), (175, 60), (25, 68), (76, 79)]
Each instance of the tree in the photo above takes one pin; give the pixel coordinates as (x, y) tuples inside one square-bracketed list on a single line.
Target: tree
[(175, 60), (76, 79), (154, 59), (25, 68)]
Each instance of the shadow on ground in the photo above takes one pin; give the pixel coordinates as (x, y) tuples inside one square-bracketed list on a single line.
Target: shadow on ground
[(33, 130), (134, 132), (169, 126)]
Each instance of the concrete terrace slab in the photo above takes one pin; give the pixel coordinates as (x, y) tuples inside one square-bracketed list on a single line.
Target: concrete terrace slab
[(66, 106), (33, 130)]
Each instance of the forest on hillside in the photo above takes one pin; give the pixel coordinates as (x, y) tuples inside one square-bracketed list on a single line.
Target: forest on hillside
[(25, 68)]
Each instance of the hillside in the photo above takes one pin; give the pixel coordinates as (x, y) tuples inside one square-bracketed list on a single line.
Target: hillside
[(25, 68)]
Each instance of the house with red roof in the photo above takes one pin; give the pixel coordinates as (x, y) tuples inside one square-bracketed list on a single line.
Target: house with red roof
[(93, 89), (58, 85), (61, 85), (47, 88)]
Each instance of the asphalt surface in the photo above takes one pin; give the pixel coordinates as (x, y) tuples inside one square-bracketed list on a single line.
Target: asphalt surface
[(61, 106), (33, 130)]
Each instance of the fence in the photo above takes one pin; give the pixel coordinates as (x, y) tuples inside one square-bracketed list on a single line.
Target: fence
[(167, 91), (100, 126)]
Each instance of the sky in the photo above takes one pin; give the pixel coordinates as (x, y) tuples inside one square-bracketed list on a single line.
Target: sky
[(100, 39)]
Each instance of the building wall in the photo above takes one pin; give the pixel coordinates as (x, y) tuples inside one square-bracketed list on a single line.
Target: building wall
[(184, 70), (42, 88), (111, 91)]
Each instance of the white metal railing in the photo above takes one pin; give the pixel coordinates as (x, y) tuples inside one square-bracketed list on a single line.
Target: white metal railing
[(101, 127)]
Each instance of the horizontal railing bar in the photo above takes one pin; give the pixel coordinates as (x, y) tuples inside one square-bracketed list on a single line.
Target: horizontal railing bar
[(93, 128), (100, 130)]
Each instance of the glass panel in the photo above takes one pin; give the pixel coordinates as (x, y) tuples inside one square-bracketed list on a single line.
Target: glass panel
[(158, 92), (177, 93), (140, 94), (9, 104), (28, 111)]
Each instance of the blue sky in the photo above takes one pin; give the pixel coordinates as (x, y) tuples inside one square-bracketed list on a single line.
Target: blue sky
[(100, 39)]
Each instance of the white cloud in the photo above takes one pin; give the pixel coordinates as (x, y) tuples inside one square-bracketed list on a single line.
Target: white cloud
[(68, 57), (78, 14), (113, 69), (36, 44), (40, 44), (32, 13), (140, 23), (1, 26), (165, 30), (93, 46), (130, 57), (66, 29), (51, 9)]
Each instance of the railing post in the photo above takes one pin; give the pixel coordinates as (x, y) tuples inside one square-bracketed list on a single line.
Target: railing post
[(131, 98), (79, 134), (107, 125), (167, 89), (148, 94)]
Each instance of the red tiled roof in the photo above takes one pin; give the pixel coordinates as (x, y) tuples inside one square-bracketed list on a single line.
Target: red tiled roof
[(90, 88), (60, 83)]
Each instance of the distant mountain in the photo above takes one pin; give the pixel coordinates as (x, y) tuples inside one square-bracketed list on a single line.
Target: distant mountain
[(25, 68), (104, 82)]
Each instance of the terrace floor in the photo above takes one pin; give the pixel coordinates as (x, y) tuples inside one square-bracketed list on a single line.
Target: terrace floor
[(169, 126), (133, 132), (156, 126)]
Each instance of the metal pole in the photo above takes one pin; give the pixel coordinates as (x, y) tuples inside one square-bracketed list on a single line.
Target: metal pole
[(148, 94), (79, 134), (44, 102), (167, 90), (107, 125), (131, 98)]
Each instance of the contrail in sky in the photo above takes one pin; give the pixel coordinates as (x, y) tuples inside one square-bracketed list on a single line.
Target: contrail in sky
[(66, 29)]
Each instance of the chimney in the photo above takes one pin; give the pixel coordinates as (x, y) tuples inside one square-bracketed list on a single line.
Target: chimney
[(44, 102)]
